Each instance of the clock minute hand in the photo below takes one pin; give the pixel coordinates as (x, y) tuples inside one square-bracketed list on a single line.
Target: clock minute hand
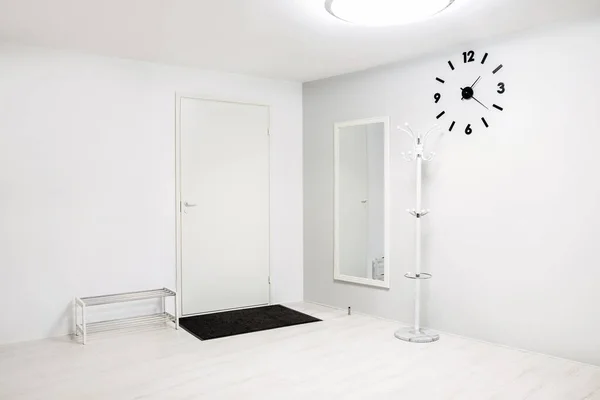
[(475, 83), (480, 102)]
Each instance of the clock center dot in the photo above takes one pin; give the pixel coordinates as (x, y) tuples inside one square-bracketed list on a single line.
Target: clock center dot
[(467, 93)]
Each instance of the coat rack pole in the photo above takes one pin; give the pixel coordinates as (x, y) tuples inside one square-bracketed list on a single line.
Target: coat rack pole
[(418, 250), (416, 334)]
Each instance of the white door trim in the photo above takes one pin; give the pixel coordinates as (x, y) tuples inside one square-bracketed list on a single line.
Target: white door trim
[(178, 272)]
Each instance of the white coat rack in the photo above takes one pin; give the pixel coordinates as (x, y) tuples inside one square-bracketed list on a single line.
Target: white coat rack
[(416, 333)]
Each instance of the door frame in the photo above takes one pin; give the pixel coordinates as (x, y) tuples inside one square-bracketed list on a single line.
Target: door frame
[(178, 207)]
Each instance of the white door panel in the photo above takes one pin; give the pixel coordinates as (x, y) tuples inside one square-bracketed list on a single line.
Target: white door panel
[(225, 224)]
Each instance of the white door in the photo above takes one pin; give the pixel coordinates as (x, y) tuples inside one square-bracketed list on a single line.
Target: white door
[(224, 166)]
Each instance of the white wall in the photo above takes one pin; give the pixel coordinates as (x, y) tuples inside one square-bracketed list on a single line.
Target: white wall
[(87, 187), (512, 240)]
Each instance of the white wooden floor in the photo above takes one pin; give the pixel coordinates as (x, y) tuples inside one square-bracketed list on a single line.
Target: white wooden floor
[(343, 357)]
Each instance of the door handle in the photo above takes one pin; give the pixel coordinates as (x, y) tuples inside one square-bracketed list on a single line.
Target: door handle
[(364, 201), (189, 205)]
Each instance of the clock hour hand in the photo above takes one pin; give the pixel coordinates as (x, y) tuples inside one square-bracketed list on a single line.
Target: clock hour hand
[(479, 102), (475, 83)]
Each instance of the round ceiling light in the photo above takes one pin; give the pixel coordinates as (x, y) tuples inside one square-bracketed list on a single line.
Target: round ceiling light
[(385, 12)]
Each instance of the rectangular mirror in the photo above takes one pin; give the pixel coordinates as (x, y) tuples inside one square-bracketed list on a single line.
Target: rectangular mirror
[(361, 202)]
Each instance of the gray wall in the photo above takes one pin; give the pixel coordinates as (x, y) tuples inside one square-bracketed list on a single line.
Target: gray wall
[(513, 237)]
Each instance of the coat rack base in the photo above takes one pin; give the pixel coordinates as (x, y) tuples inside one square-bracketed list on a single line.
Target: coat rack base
[(420, 336)]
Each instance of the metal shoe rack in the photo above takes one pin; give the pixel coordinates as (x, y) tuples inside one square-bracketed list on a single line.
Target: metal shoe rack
[(82, 328)]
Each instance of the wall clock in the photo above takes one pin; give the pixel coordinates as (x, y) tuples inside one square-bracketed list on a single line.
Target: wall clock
[(472, 84)]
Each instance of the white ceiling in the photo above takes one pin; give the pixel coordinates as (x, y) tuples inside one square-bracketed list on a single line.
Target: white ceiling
[(289, 39)]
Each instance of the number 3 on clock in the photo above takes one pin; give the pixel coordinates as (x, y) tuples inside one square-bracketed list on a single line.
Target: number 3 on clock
[(501, 88)]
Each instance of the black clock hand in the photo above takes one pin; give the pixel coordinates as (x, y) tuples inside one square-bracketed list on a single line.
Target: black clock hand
[(475, 83), (479, 102)]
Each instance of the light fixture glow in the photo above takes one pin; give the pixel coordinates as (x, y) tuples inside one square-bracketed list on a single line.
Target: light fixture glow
[(385, 12)]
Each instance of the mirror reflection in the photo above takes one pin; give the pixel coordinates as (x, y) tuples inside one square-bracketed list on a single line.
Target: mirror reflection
[(360, 201)]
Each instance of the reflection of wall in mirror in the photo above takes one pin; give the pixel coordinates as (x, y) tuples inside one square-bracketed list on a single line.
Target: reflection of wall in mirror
[(361, 170), (375, 218), (353, 190)]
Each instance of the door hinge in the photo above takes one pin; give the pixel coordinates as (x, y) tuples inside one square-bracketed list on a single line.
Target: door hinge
[(268, 132), (269, 279), (180, 206)]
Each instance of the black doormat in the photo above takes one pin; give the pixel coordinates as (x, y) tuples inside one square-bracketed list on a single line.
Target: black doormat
[(237, 322)]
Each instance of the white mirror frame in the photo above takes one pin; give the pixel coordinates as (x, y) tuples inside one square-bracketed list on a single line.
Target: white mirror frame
[(337, 275)]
